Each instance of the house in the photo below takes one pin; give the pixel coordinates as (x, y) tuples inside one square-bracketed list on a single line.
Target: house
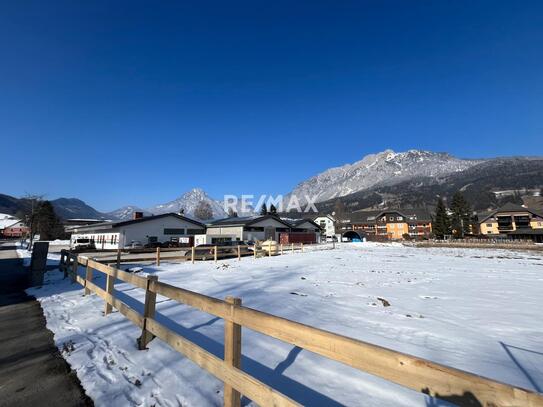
[(11, 227), (327, 225), (149, 229), (512, 221), (246, 228), (301, 231), (263, 227), (389, 224)]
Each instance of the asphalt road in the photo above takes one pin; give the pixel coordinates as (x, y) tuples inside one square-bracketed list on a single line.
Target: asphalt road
[(32, 371)]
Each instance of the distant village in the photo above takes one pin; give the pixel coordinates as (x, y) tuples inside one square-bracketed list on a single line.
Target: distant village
[(509, 222)]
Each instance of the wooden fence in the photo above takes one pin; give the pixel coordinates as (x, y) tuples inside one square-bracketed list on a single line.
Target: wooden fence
[(204, 253), (412, 372)]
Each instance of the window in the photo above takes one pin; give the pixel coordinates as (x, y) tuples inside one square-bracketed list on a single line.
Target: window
[(391, 218), (153, 239), (489, 225), (399, 218), (194, 231), (174, 231), (254, 229)]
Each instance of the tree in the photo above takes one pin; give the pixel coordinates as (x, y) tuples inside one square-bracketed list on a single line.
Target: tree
[(264, 209), (273, 210), (203, 210), (461, 215), (441, 220), (232, 213), (47, 223)]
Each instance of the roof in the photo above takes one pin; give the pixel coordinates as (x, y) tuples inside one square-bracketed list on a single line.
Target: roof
[(297, 222), (508, 207), (245, 221), (6, 223), (111, 225), (409, 214)]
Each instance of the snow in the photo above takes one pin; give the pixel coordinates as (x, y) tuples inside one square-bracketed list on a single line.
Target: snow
[(472, 309)]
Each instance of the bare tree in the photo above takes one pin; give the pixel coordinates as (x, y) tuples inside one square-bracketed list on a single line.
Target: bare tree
[(29, 214), (203, 210)]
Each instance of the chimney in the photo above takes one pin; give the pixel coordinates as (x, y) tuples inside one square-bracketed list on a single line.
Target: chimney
[(137, 215)]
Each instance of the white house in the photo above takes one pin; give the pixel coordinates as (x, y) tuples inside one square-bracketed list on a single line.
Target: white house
[(159, 228), (327, 225)]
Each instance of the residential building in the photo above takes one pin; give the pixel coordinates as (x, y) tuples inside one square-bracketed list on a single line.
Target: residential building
[(260, 228), (327, 225), (11, 227), (512, 221), (149, 229), (390, 224)]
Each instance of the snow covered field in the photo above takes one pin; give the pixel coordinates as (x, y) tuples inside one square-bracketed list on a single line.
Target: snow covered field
[(476, 310)]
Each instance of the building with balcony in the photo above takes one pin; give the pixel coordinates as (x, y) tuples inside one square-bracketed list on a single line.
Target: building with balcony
[(513, 222)]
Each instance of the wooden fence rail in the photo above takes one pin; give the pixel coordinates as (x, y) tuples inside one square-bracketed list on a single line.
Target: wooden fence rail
[(412, 372)]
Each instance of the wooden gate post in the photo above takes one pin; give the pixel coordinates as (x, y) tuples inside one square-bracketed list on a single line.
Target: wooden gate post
[(88, 277), (148, 312), (239, 253), (192, 254), (158, 256), (75, 264), (110, 281), (215, 254), (232, 353), (118, 258)]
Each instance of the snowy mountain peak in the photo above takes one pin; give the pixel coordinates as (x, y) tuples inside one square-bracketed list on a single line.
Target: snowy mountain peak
[(384, 168), (188, 202)]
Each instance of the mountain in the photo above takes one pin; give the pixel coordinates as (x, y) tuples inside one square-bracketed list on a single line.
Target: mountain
[(487, 184), (72, 208), (126, 213), (188, 203), (385, 168)]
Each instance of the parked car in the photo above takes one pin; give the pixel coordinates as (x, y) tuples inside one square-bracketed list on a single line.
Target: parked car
[(207, 251), (153, 245), (134, 244), (170, 244), (83, 244), (234, 244)]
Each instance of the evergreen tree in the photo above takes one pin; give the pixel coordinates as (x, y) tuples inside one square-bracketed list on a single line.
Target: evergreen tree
[(273, 210), (441, 225), (48, 224), (264, 209), (461, 215)]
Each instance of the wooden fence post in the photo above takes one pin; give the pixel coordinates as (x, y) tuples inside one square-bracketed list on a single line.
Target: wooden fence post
[(158, 256), (232, 353), (255, 249), (215, 254), (118, 258), (148, 312), (269, 248), (88, 277), (75, 265), (302, 246), (192, 254), (292, 247), (239, 253), (281, 249), (110, 281)]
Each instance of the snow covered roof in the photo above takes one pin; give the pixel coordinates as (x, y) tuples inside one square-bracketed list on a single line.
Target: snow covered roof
[(7, 222)]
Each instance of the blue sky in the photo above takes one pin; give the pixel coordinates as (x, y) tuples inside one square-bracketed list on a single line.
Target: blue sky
[(136, 102)]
